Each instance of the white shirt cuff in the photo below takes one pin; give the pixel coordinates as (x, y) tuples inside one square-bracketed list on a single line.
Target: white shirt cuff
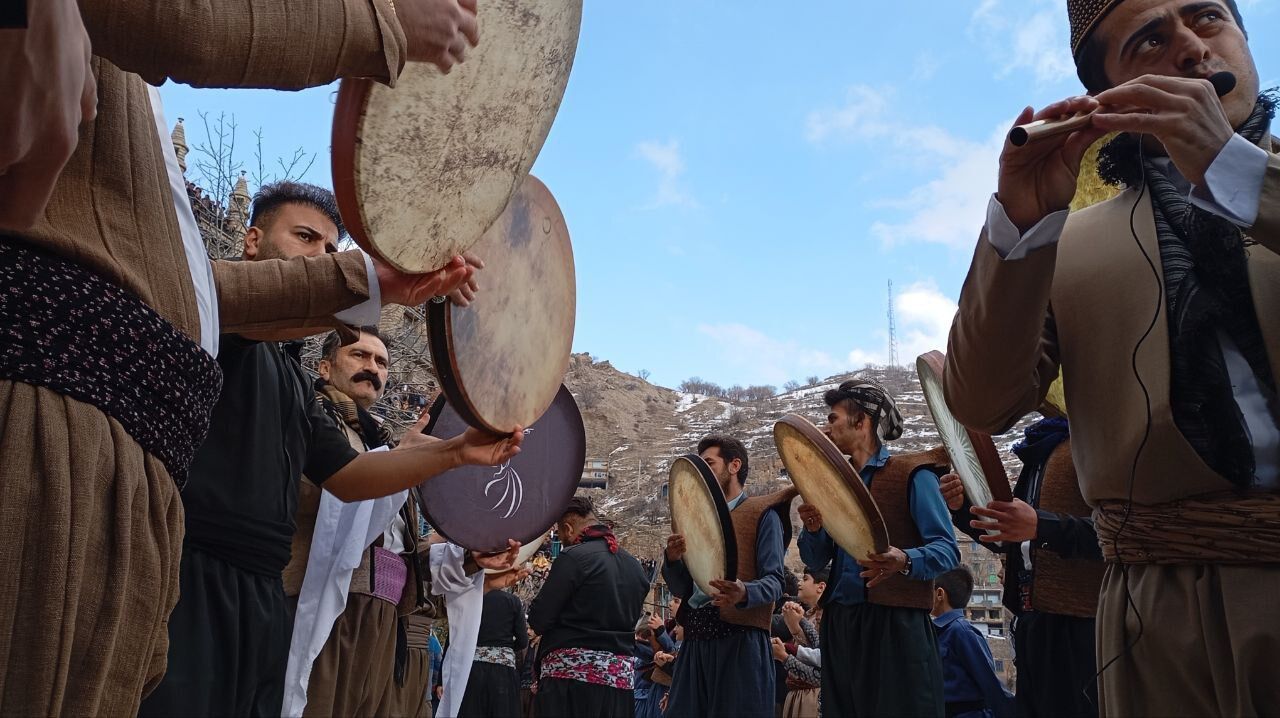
[(1004, 236), (368, 312), (1233, 183)]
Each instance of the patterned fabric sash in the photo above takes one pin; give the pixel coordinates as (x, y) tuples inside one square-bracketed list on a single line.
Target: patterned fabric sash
[(705, 624), (600, 668), (499, 655), (1221, 528), (796, 684), (67, 329), (389, 575)]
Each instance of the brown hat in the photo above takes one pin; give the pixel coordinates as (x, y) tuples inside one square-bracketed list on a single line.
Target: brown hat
[(1085, 15)]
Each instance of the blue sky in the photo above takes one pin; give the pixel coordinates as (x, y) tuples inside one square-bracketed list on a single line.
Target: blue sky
[(741, 179)]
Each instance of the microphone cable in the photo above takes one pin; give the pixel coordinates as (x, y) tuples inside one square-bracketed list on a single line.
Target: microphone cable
[(1129, 603)]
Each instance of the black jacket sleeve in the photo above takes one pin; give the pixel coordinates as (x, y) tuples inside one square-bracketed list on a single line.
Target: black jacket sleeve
[(327, 447), (1068, 536)]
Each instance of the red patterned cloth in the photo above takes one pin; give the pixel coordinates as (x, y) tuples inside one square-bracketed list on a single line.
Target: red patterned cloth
[(597, 667)]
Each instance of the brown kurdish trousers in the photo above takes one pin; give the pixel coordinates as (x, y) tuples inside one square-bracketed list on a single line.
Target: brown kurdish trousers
[(91, 533), (355, 670), (1209, 646)]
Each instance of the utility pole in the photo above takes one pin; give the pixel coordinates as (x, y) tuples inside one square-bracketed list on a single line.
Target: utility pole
[(893, 331)]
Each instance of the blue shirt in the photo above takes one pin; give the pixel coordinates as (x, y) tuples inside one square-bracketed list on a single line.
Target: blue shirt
[(766, 589), (968, 672), (936, 556)]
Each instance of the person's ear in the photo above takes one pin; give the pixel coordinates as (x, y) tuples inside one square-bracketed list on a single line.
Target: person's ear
[(252, 242), (322, 367)]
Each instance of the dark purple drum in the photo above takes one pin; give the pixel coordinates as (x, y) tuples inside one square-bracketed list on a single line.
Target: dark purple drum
[(480, 507)]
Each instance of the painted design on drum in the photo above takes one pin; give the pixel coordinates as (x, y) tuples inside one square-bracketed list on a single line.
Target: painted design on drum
[(513, 486)]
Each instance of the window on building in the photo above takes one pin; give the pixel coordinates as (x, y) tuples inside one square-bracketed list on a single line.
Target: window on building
[(996, 631), (999, 665)]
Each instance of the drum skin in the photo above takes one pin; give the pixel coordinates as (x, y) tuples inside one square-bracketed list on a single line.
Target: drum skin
[(421, 170), (974, 457), (700, 513), (481, 507), (827, 481), (501, 359)]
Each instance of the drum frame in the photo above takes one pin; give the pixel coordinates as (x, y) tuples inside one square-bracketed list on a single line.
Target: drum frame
[(722, 511), (833, 455), (984, 448)]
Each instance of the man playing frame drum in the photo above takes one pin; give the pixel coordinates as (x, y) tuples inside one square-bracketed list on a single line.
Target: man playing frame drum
[(879, 655), (725, 666), (1162, 307)]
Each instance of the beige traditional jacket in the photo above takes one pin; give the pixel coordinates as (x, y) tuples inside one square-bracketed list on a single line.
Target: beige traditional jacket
[(112, 210), (1082, 305)]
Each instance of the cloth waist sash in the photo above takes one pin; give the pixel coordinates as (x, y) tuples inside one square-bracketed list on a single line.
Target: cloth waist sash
[(383, 575), (600, 668), (795, 684), (498, 655), (1227, 527), (705, 624), (65, 328)]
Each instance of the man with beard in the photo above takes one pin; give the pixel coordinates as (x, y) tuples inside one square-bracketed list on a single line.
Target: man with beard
[(230, 631), (879, 657), (586, 615), (726, 667), (1161, 308)]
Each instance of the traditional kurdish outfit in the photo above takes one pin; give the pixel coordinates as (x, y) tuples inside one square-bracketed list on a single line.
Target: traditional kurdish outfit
[(725, 666), (879, 655), (229, 634), (1185, 504), (363, 660), (411, 697), (586, 614), (494, 688), (96, 429), (1051, 583)]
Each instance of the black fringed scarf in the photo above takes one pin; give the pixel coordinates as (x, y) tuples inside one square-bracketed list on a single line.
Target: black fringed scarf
[(1204, 258)]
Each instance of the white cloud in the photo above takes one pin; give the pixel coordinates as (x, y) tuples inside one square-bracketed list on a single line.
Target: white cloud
[(951, 208), (924, 317), (765, 359), (947, 210), (665, 157), (1025, 35)]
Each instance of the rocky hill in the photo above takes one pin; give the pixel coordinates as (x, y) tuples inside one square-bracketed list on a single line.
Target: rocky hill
[(639, 428)]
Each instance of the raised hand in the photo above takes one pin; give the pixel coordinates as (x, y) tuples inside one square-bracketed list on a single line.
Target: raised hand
[(465, 294), (880, 567), (415, 435), (498, 561), (1014, 521), (952, 491), (779, 650), (811, 517), (48, 90), (439, 31), (675, 547), (505, 580), (655, 622), (483, 449), (1184, 114), (411, 290), (728, 593), (1039, 178)]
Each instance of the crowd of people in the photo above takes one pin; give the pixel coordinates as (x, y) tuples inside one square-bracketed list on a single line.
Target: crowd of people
[(199, 528)]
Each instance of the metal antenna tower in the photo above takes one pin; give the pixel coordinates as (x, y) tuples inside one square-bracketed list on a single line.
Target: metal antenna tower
[(893, 331)]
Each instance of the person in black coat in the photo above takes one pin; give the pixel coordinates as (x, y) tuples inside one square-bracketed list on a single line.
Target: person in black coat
[(493, 690), (586, 615)]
